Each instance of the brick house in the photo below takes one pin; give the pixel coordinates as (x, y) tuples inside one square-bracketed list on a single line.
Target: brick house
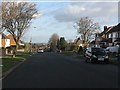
[(13, 43), (7, 44), (4, 43), (110, 36)]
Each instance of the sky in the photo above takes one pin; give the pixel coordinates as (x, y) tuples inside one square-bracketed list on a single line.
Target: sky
[(60, 16)]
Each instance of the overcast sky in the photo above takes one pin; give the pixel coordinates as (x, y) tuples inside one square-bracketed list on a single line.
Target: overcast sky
[(60, 16)]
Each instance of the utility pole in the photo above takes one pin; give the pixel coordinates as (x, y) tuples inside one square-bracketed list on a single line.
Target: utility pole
[(30, 43), (95, 40)]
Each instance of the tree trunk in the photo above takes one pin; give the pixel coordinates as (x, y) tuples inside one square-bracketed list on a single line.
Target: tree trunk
[(15, 51)]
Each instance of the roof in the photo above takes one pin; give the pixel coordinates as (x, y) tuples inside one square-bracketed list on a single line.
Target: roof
[(4, 36), (105, 31), (104, 40), (12, 42), (93, 42), (111, 29), (116, 28), (117, 40)]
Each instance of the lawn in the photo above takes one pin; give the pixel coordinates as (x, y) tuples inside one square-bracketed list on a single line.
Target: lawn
[(8, 61)]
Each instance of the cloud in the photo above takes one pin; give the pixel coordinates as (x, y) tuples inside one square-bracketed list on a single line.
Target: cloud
[(106, 11), (68, 13), (37, 15), (119, 12)]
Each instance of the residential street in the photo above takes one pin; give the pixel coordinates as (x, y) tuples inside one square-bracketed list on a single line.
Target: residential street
[(54, 70)]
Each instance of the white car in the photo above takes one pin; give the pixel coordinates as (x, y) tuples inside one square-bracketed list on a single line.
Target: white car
[(40, 51), (113, 49)]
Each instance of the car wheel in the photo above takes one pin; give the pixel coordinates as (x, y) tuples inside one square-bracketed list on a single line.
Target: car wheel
[(106, 61), (86, 60), (91, 60)]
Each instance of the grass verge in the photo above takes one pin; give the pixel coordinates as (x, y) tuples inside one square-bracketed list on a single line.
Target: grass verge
[(115, 62), (8, 61)]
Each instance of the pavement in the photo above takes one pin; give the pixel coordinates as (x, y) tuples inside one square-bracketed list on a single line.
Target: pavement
[(52, 70)]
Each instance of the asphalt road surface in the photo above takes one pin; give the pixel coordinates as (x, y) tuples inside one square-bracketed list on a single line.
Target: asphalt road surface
[(53, 70)]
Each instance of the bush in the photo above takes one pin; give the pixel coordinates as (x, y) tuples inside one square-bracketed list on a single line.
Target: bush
[(74, 48)]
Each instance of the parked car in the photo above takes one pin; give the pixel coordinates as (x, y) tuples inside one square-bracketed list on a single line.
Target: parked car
[(47, 50), (96, 54), (112, 49), (59, 51), (40, 51)]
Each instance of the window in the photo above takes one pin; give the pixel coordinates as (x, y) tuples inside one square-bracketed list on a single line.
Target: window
[(110, 35), (115, 35), (118, 34)]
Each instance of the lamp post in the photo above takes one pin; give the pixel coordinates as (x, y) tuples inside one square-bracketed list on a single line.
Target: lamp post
[(30, 43)]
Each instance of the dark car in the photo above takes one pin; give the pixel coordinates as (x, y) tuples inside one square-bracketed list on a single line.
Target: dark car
[(96, 54)]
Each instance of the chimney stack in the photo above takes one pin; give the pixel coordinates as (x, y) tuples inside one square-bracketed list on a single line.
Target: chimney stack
[(105, 28)]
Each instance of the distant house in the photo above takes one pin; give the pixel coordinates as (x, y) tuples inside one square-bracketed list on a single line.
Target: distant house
[(78, 42), (96, 41)]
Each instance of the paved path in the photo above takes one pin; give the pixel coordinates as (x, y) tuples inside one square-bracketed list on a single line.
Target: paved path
[(52, 70)]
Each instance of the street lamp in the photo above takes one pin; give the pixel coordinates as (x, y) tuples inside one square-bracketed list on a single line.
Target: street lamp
[(30, 43)]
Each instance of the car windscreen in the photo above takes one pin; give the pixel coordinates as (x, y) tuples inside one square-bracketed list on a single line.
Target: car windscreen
[(98, 51)]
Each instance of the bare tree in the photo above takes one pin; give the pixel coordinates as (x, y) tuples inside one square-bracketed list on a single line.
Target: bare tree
[(1, 30), (86, 28), (53, 41), (16, 18)]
